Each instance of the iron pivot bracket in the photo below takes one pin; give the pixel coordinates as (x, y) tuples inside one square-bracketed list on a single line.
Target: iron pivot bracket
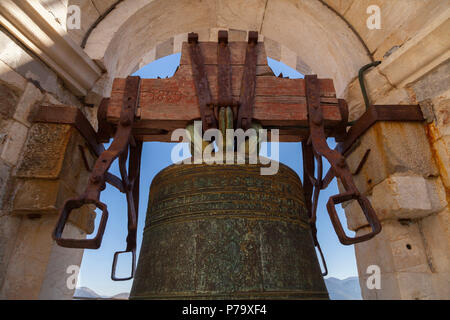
[(209, 110), (315, 148), (125, 148)]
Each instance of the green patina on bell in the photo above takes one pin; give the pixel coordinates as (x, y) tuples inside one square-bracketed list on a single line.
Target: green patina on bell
[(224, 231)]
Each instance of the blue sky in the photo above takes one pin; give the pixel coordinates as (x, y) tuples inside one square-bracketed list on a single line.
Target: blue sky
[(96, 265)]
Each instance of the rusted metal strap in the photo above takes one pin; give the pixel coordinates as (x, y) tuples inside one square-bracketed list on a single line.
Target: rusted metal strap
[(311, 188), (201, 83), (379, 113), (340, 132), (105, 129), (338, 169), (248, 85), (100, 175), (72, 116), (224, 76)]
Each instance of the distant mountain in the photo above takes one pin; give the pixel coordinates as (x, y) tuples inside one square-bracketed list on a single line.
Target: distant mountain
[(86, 293), (123, 295), (347, 289)]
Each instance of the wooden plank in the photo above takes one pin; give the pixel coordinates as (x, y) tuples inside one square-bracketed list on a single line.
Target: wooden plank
[(168, 104), (175, 98)]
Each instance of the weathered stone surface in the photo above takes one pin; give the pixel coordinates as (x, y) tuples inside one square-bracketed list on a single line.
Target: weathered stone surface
[(29, 98), (400, 197), (14, 141), (43, 196), (58, 9), (409, 197), (9, 226), (243, 15), (8, 102), (164, 49), (436, 233), (44, 151), (399, 247), (56, 278), (5, 171), (11, 78), (21, 65), (402, 255), (89, 14), (392, 146), (433, 84), (29, 260), (441, 152)]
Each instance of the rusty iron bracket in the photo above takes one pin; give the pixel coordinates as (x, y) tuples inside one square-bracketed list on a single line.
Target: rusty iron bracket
[(375, 113), (317, 142), (248, 85), (201, 83), (209, 110), (105, 129), (224, 76), (123, 147)]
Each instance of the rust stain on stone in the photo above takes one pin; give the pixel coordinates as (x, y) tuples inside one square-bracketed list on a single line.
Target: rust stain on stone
[(433, 136)]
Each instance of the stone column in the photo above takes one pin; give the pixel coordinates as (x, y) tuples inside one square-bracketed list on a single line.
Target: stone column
[(53, 166), (406, 179)]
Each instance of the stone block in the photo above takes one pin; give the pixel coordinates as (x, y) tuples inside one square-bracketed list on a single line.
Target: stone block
[(241, 15), (401, 148), (8, 101), (29, 98), (442, 158), (14, 141), (9, 226), (39, 197), (11, 78), (433, 84), (54, 285), (44, 151), (436, 234), (5, 172), (28, 262), (164, 49), (408, 197), (77, 164), (25, 64), (416, 286), (389, 287), (398, 248)]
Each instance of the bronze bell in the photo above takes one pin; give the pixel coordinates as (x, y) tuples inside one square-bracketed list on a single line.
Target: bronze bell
[(224, 231)]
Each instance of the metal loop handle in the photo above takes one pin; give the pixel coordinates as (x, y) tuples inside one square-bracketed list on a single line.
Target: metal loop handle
[(70, 205), (367, 209), (114, 265)]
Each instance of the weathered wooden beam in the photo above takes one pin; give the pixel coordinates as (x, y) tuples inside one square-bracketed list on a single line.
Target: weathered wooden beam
[(168, 104)]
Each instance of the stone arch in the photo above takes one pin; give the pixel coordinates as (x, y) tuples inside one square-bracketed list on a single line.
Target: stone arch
[(305, 35)]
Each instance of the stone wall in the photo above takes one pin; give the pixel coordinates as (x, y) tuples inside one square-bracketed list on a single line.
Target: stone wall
[(406, 179), (40, 166)]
